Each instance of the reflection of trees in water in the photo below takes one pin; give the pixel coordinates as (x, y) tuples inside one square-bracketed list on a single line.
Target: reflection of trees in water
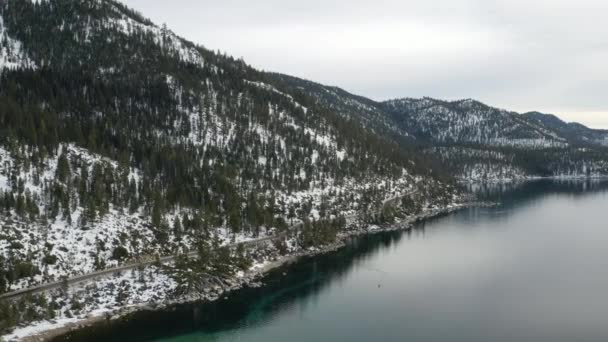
[(289, 288), (305, 281), (335, 267), (517, 194), (536, 188)]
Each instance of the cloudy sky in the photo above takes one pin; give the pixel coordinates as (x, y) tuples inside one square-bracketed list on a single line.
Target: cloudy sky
[(545, 55)]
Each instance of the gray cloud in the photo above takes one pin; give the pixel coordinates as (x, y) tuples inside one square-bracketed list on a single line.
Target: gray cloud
[(546, 55)]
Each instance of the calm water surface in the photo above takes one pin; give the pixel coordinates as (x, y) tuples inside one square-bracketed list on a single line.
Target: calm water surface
[(533, 269)]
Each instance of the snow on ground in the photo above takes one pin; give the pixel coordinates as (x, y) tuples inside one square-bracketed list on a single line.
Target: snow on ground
[(163, 36), (12, 55), (77, 250), (482, 165), (82, 249), (101, 298), (75, 247), (39, 328), (106, 296), (468, 121), (268, 87), (5, 163)]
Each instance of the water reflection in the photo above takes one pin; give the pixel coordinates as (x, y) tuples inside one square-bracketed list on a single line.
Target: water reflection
[(531, 269), (522, 190), (300, 283)]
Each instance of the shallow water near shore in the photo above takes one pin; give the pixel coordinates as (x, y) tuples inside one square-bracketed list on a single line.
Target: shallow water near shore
[(532, 269)]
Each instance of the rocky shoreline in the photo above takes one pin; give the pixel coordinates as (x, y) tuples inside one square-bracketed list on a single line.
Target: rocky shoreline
[(222, 287)]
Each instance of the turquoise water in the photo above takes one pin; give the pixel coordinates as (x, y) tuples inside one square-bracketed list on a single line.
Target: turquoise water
[(533, 269)]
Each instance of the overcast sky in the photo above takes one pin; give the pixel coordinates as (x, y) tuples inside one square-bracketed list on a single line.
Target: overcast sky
[(545, 55)]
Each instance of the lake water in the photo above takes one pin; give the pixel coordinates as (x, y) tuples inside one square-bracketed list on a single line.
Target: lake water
[(533, 269)]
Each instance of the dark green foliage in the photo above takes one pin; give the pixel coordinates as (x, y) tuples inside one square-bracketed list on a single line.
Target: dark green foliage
[(63, 168), (24, 269), (120, 253), (130, 115), (241, 259), (26, 309), (212, 261), (49, 259), (3, 274), (319, 233)]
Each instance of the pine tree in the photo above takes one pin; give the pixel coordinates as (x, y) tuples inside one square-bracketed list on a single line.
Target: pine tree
[(63, 168)]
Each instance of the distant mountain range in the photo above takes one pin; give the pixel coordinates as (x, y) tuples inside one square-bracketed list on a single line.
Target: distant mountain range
[(473, 140)]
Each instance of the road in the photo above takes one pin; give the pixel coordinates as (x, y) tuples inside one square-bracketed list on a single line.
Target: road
[(81, 278), (96, 274)]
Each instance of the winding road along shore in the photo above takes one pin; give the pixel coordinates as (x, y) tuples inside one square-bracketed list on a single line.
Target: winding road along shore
[(165, 259), (58, 330)]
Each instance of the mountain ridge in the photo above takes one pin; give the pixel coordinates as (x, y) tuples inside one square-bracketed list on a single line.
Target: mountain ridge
[(529, 145), (382, 105), (121, 141)]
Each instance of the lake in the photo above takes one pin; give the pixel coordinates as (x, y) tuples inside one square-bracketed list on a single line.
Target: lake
[(534, 268)]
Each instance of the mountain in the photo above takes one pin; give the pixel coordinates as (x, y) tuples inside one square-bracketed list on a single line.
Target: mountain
[(121, 142), (476, 142), (351, 107), (469, 122), (480, 142), (573, 131)]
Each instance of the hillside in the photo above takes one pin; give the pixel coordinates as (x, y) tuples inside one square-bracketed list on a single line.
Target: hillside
[(121, 142), (166, 133), (572, 131), (469, 122), (125, 145), (476, 142)]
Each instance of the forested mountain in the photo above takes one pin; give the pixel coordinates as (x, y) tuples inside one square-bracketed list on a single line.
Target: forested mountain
[(349, 106), (572, 131), (473, 140), (481, 142), (120, 140), (469, 122)]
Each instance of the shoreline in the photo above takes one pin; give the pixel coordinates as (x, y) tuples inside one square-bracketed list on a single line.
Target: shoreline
[(497, 181), (249, 279)]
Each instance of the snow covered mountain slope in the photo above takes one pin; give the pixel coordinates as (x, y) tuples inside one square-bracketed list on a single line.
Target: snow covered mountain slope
[(11, 54), (462, 134), (350, 106), (470, 122), (120, 140), (58, 219), (467, 136), (572, 131)]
